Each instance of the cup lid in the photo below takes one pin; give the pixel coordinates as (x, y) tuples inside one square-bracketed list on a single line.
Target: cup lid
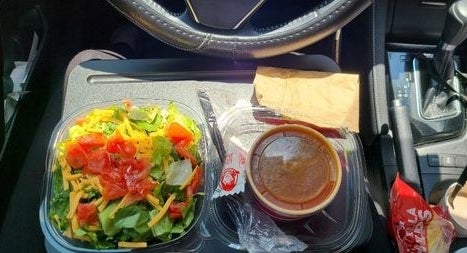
[(294, 169), (457, 210)]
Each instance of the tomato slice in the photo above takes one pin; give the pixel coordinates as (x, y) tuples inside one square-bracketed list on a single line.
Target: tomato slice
[(182, 150), (127, 103), (178, 133), (175, 210), (92, 141), (113, 184), (136, 174), (196, 180), (98, 162), (119, 171), (189, 191), (128, 149), (114, 143), (86, 213), (118, 145), (135, 169), (194, 184), (76, 156), (141, 188), (127, 175), (177, 206), (175, 215)]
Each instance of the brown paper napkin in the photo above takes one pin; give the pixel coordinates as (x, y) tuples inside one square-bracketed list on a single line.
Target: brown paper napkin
[(321, 98)]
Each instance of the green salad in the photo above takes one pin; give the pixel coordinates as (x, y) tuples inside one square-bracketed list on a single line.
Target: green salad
[(126, 176)]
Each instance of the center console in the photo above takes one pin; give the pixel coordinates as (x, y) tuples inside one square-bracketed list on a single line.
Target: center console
[(425, 94)]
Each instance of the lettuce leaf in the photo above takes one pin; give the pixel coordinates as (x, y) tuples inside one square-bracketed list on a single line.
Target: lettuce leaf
[(133, 216), (108, 224), (189, 213), (163, 191), (163, 229), (108, 128), (176, 116), (163, 149), (59, 205)]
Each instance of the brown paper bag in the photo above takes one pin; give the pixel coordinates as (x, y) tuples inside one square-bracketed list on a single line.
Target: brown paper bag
[(321, 98)]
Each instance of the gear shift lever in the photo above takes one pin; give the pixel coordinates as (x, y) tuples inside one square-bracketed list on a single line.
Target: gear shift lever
[(454, 32), (435, 100), (428, 86)]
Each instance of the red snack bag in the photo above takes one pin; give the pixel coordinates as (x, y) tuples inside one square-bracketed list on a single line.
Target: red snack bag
[(415, 225)]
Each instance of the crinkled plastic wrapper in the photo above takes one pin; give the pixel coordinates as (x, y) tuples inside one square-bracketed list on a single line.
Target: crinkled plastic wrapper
[(414, 224)]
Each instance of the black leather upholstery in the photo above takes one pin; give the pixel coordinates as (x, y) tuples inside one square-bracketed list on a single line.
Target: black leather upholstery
[(247, 42)]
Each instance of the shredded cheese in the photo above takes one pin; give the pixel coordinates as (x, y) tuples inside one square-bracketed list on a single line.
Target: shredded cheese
[(161, 213), (82, 238), (166, 165), (61, 160), (123, 244), (188, 180), (153, 201), (160, 132), (74, 224), (75, 184), (67, 232), (98, 201), (103, 205), (71, 177), (128, 127), (75, 196), (90, 182), (93, 228), (56, 219), (121, 130), (144, 144), (65, 171), (66, 185)]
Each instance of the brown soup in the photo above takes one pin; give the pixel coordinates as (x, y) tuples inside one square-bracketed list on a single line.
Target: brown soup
[(292, 168)]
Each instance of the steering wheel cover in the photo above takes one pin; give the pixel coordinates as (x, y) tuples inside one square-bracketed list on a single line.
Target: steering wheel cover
[(247, 42)]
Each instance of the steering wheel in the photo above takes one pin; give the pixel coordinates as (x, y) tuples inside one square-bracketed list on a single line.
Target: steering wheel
[(224, 28)]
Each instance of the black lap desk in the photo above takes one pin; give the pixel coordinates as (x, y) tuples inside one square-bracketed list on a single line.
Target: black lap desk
[(98, 80)]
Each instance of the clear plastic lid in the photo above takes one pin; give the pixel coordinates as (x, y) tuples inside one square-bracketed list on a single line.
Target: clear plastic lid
[(293, 171), (342, 225), (188, 240)]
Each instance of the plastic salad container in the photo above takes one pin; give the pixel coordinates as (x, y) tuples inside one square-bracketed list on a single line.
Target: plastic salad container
[(123, 190), (342, 225)]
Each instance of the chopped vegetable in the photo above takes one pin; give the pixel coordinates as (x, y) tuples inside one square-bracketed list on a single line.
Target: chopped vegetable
[(87, 213), (162, 212), (125, 176), (178, 172), (178, 133), (76, 156), (123, 244)]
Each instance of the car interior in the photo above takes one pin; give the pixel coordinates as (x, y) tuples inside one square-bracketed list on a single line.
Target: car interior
[(409, 56)]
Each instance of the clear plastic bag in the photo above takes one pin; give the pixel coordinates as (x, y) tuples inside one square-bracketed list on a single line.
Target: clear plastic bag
[(257, 232)]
